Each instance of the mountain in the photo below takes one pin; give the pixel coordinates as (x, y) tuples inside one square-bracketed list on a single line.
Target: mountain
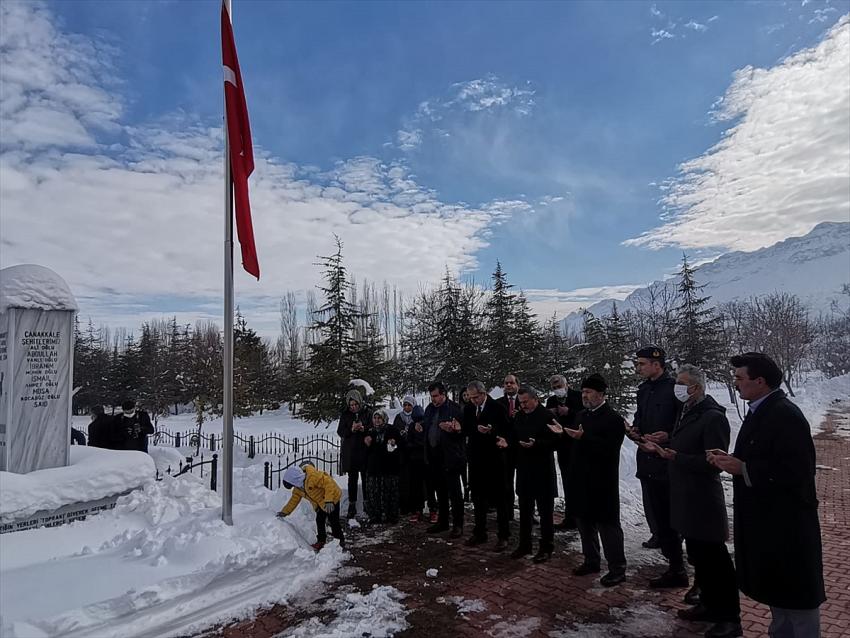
[(813, 267)]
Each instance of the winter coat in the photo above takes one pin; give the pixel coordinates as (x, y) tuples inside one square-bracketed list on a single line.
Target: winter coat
[(319, 488), (658, 410), (778, 554), (535, 466), (132, 433), (452, 443), (573, 402), (593, 481), (352, 456), (481, 448), (697, 504), (380, 461), (100, 432), (414, 442)]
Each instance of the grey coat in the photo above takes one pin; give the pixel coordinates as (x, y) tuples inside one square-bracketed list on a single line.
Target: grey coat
[(697, 504)]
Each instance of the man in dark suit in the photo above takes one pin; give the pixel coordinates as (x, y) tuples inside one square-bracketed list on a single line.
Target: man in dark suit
[(697, 503), (656, 414), (485, 424), (594, 482), (564, 403), (510, 401), (778, 552)]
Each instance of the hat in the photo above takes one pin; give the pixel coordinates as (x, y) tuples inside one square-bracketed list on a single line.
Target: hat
[(652, 352), (408, 398), (595, 382), (354, 395), (294, 476)]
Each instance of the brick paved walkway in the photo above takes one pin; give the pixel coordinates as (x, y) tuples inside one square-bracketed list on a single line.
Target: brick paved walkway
[(478, 593)]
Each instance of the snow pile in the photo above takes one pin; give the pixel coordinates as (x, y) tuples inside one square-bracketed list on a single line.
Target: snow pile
[(431, 573), (36, 287), (363, 385), (646, 620), (94, 473), (818, 396), (162, 563), (379, 614), (464, 605), (514, 627)]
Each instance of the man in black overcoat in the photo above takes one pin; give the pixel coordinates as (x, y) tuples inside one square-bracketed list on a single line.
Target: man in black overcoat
[(564, 403), (778, 553), (510, 401), (594, 482)]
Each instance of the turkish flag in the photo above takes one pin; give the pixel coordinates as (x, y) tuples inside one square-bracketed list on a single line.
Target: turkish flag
[(241, 151)]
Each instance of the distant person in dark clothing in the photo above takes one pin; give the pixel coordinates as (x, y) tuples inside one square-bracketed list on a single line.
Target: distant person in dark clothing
[(100, 429), (353, 422), (564, 404), (383, 465), (77, 437), (409, 423), (445, 456), (132, 427)]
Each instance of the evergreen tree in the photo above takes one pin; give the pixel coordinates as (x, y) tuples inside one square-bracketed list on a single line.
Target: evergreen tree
[(500, 316), (619, 370), (698, 333), (527, 346), (153, 373)]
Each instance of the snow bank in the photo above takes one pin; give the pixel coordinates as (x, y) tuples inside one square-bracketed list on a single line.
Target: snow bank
[(36, 287), (94, 473), (162, 563)]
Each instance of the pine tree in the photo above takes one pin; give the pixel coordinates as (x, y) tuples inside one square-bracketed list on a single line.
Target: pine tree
[(619, 369), (527, 345), (153, 373), (698, 333), (500, 315)]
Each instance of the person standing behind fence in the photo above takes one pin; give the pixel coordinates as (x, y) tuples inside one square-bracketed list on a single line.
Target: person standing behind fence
[(352, 430), (132, 427), (100, 428), (409, 420), (383, 465), (323, 494)]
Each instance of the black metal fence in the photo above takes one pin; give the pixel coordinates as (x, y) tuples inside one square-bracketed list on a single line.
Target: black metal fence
[(319, 445), (191, 465), (273, 476)]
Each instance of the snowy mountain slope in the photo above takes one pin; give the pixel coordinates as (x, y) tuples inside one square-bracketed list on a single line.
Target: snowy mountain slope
[(814, 267)]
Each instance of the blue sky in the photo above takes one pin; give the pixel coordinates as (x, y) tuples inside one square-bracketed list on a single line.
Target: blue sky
[(541, 134)]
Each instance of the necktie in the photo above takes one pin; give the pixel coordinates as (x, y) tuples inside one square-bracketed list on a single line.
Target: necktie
[(510, 406)]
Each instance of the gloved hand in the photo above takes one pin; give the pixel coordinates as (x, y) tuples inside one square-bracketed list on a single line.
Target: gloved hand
[(280, 515), (329, 508)]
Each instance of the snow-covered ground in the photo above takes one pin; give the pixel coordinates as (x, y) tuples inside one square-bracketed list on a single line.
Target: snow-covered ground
[(162, 563)]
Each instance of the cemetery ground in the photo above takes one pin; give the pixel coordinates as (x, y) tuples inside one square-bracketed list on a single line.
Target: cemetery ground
[(478, 593)]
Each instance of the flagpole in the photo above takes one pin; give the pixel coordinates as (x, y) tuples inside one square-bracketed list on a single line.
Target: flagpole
[(227, 403)]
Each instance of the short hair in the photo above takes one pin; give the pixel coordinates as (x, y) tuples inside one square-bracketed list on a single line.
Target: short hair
[(439, 386), (696, 375), (511, 374), (528, 391), (758, 365), (556, 378), (129, 404), (478, 386), (96, 409)]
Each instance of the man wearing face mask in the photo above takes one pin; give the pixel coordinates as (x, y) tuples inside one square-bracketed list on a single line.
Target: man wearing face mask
[(657, 412), (564, 404), (697, 504), (132, 427)]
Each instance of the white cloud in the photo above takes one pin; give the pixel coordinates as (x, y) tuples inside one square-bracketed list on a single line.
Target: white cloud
[(661, 34), (655, 12), (822, 15), (784, 165), (546, 302), (485, 95), (696, 26), (128, 222)]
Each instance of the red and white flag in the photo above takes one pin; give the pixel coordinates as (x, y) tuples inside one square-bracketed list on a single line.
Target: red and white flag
[(241, 150)]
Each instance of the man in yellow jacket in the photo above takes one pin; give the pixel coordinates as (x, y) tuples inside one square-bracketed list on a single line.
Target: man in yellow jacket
[(323, 494)]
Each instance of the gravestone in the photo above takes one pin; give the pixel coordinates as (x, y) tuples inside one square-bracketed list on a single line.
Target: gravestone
[(37, 313)]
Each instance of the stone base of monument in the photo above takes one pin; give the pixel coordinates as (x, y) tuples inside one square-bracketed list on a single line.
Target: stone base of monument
[(91, 484)]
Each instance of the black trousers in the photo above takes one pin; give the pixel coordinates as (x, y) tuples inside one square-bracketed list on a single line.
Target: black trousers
[(333, 518), (658, 493), (648, 512), (421, 489), (612, 543), (485, 481), (545, 508), (381, 492), (352, 484), (447, 485), (715, 573)]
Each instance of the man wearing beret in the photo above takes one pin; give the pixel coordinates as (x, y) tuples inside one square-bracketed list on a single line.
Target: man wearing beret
[(657, 412), (593, 485)]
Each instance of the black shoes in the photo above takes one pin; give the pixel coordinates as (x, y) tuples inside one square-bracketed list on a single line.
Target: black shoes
[(670, 579), (474, 541), (692, 597), (652, 543), (501, 545), (697, 613), (542, 556), (612, 578), (436, 528), (456, 532), (585, 568), (352, 510), (725, 630), (520, 551)]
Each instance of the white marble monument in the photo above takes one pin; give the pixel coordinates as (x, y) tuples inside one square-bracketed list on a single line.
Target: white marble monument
[(37, 313)]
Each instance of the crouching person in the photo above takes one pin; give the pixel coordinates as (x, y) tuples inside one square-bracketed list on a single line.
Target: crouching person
[(324, 495)]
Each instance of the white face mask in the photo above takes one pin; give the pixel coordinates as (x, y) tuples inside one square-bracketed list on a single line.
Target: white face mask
[(681, 392), (560, 392), (129, 413)]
